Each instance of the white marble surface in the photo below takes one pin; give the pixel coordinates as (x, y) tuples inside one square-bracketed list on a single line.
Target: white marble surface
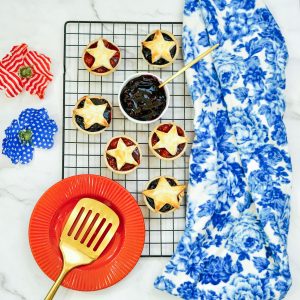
[(40, 24)]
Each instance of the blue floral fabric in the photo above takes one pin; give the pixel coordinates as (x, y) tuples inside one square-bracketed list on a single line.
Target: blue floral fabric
[(235, 242), (33, 129)]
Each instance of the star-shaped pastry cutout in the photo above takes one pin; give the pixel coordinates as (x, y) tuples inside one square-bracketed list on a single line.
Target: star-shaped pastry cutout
[(92, 113), (169, 140), (102, 56), (159, 47), (164, 193), (123, 154)]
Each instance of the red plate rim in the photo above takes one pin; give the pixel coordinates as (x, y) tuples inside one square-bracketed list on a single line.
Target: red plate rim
[(50, 213)]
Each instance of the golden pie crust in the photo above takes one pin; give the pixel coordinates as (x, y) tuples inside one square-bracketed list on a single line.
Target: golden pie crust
[(106, 151), (75, 114), (169, 140), (160, 201), (90, 69), (171, 59)]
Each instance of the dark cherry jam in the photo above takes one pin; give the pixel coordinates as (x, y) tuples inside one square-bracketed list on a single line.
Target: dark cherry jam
[(95, 127), (164, 152), (112, 161), (167, 207), (147, 52), (89, 59), (142, 99)]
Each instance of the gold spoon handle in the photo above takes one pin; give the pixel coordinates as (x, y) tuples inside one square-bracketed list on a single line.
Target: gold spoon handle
[(202, 55), (57, 283)]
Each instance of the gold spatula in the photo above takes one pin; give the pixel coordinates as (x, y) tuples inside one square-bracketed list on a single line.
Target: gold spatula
[(89, 228)]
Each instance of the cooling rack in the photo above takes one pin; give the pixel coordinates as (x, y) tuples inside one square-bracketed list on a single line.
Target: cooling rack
[(83, 154)]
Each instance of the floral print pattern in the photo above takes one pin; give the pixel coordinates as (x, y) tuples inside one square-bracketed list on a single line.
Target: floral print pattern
[(235, 243)]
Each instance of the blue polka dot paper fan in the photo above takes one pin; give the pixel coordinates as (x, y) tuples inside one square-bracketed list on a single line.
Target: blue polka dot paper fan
[(32, 129)]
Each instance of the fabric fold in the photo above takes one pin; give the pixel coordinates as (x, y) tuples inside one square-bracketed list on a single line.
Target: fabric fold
[(235, 242)]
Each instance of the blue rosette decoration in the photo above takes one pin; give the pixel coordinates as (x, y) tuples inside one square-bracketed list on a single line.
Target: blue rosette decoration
[(33, 129)]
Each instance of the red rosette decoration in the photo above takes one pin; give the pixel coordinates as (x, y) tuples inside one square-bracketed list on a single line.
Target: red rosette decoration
[(23, 68)]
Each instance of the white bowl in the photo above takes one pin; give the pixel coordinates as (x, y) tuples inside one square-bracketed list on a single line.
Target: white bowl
[(135, 76)]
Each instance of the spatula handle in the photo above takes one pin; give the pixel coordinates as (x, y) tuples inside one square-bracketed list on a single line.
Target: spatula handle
[(57, 283)]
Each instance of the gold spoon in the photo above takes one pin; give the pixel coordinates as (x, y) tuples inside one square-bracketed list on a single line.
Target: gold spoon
[(194, 61)]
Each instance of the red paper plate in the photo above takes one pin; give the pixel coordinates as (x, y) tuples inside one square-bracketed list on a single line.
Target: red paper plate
[(51, 213)]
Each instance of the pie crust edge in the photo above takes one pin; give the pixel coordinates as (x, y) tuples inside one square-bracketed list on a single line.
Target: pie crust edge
[(96, 73), (74, 120), (176, 53), (181, 195), (105, 157), (157, 154)]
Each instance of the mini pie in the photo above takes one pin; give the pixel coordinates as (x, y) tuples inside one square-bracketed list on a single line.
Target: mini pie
[(163, 194), (122, 155), (101, 57), (168, 141), (92, 114), (160, 48)]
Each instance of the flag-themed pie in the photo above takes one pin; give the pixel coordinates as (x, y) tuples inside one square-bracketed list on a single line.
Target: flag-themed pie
[(168, 141), (92, 114), (160, 48), (163, 194), (101, 57), (122, 155)]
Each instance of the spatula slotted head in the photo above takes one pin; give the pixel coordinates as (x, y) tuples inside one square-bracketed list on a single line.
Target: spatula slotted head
[(89, 228)]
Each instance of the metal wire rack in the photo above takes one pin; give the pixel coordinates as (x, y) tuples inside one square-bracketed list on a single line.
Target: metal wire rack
[(83, 154)]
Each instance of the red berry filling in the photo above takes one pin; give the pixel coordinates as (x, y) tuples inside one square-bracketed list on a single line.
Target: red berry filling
[(89, 59), (164, 152), (112, 161)]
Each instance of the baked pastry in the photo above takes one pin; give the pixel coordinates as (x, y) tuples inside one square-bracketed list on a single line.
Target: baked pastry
[(160, 48), (101, 57), (168, 141), (122, 155), (92, 115), (163, 194)]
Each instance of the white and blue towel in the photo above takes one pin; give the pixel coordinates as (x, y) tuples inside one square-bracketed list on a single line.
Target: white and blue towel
[(235, 242)]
